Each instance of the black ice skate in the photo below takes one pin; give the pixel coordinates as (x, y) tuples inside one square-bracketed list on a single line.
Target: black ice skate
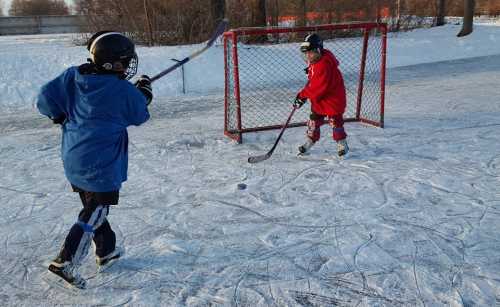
[(66, 271), (306, 146), (107, 261), (342, 148)]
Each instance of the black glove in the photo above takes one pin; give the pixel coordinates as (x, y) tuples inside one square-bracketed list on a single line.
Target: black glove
[(306, 70), (60, 120), (298, 102), (143, 84)]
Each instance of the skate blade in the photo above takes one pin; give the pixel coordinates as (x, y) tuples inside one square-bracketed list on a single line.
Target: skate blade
[(344, 156), (316, 158), (107, 267), (55, 281)]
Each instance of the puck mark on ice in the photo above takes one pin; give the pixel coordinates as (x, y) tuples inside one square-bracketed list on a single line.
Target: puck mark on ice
[(242, 186)]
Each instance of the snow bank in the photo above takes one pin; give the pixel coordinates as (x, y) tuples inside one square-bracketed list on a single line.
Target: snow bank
[(28, 62)]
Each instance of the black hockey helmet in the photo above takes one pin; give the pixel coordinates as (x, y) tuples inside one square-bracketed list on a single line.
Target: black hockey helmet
[(113, 53), (312, 42)]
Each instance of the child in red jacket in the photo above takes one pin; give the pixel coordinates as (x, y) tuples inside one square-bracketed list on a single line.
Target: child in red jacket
[(326, 92)]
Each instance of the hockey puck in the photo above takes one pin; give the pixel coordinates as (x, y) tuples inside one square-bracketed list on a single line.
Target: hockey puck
[(242, 186)]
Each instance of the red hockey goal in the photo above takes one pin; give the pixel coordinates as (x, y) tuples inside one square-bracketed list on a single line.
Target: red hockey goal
[(264, 70)]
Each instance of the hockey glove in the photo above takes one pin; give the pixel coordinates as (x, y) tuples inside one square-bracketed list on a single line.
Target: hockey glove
[(143, 84), (298, 102), (60, 120)]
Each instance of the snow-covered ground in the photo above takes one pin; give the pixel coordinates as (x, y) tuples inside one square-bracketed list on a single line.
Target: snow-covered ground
[(411, 218), (27, 62)]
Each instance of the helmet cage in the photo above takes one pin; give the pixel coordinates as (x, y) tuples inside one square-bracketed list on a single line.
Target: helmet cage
[(132, 65)]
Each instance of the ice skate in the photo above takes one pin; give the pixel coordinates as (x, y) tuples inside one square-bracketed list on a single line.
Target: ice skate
[(107, 261), (67, 271), (342, 148), (303, 149)]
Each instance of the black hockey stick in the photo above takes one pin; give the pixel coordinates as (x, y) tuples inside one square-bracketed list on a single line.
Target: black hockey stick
[(221, 27), (257, 159)]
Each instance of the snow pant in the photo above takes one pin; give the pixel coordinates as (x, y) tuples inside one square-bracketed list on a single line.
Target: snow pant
[(92, 225), (316, 121)]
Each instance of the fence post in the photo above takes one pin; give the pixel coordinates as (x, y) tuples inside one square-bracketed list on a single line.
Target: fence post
[(38, 21), (183, 78)]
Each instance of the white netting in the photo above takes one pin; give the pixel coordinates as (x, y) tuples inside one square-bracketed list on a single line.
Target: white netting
[(271, 74)]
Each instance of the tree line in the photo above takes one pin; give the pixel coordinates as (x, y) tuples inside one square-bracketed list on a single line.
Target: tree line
[(173, 21), (38, 7)]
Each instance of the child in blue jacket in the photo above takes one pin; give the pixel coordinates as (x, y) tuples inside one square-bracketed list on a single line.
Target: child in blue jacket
[(95, 103)]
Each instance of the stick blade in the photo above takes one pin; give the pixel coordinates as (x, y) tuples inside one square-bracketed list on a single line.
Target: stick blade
[(257, 159)]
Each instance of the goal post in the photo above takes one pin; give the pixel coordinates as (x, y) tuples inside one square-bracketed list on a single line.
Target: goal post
[(264, 70)]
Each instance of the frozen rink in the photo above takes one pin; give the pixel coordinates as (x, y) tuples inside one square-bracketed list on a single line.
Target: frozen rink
[(410, 218)]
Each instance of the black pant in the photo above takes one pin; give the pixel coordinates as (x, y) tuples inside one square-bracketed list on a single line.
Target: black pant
[(92, 225)]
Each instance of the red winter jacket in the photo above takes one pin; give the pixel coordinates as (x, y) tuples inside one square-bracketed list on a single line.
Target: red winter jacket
[(325, 88)]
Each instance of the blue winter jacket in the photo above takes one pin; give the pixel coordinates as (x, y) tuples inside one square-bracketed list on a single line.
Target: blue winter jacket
[(98, 110)]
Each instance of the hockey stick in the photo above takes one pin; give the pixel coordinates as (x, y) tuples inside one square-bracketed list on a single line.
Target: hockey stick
[(218, 31), (257, 159)]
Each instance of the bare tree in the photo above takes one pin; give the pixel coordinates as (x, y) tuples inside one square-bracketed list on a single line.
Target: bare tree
[(398, 16), (331, 11), (190, 21), (218, 10), (149, 25), (467, 25), (82, 7), (273, 9), (441, 12), (302, 12), (152, 21), (16, 7), (259, 19), (259, 14), (38, 7)]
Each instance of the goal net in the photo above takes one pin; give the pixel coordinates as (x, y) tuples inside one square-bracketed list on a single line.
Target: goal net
[(264, 70)]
